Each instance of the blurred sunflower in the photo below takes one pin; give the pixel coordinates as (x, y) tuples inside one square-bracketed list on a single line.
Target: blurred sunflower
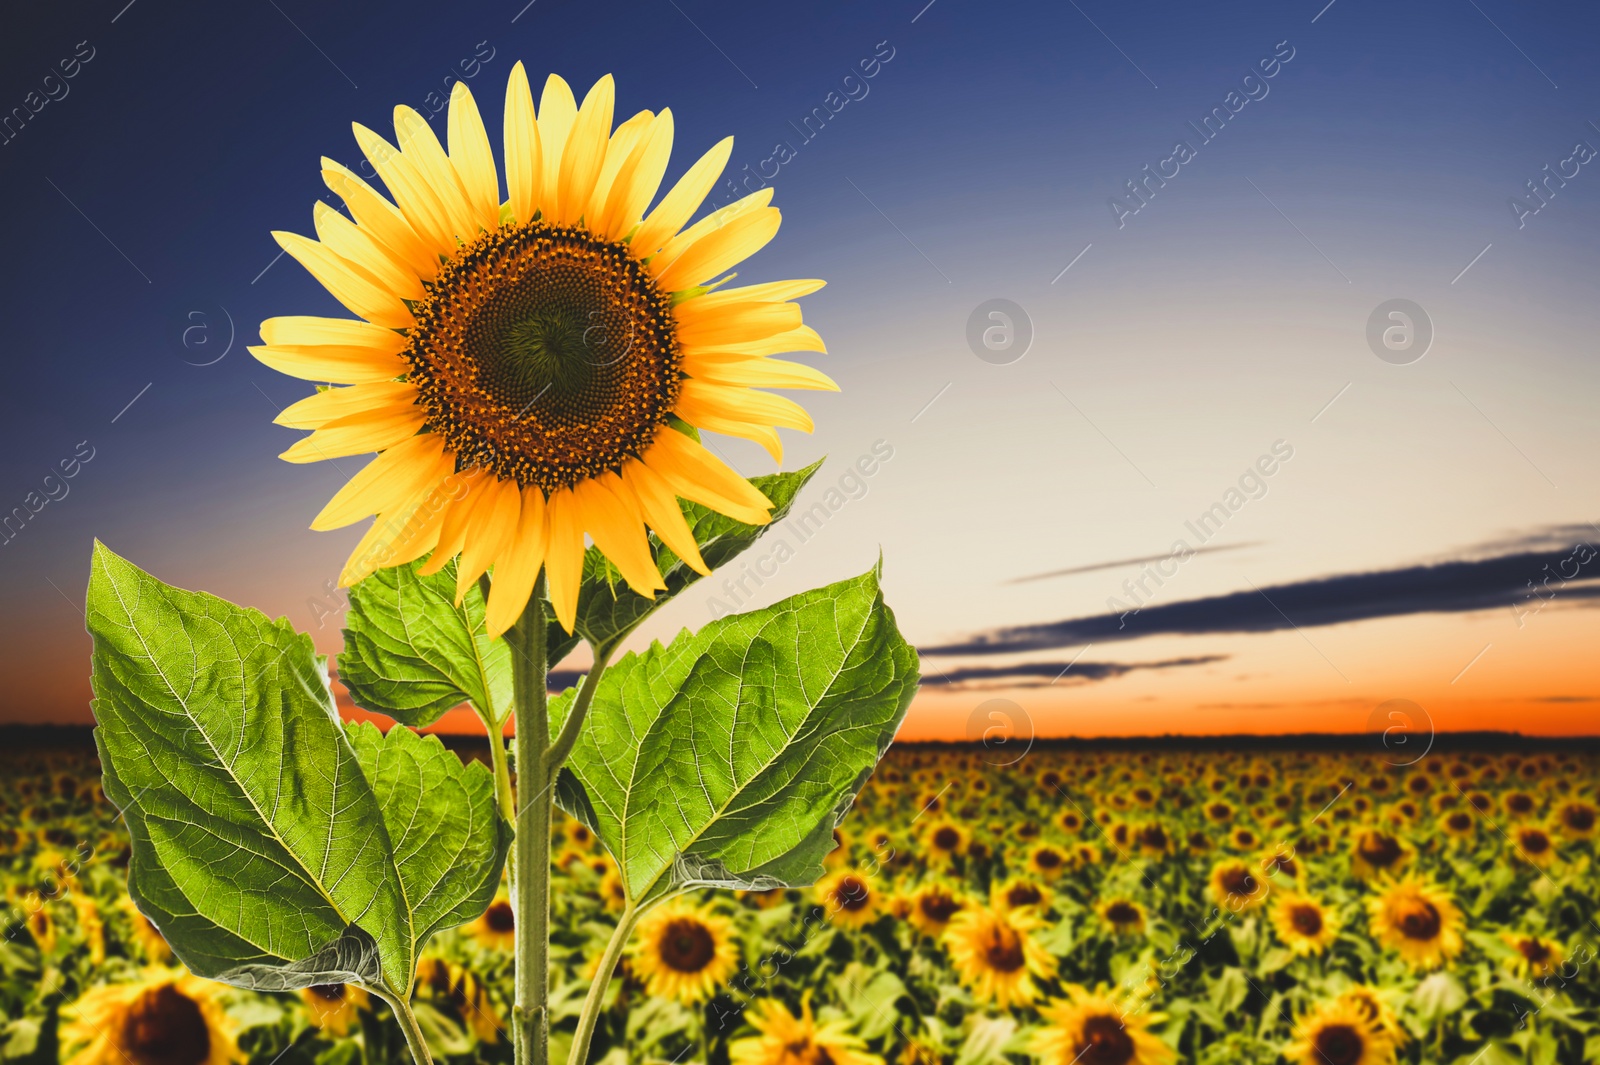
[(996, 956), (1236, 887), (166, 1017), (456, 987), (785, 1039), (1374, 1008), (90, 926), (945, 840), (684, 952), (850, 900), (523, 368), (1535, 958), (612, 891), (1304, 924), (1417, 920), (145, 935), (932, 905), (1153, 840), (1459, 824), (1377, 853), (1338, 1033), (496, 927), (1518, 804), (1123, 916), (1019, 892), (1047, 861), (334, 1007), (1535, 844), (1577, 820), (1090, 1028)]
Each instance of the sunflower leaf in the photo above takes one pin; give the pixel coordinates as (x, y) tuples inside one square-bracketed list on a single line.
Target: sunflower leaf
[(608, 609), (727, 757), (410, 652), (261, 848), (450, 840)]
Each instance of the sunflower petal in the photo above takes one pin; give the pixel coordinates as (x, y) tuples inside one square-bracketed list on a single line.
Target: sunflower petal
[(557, 112), (375, 214), (319, 409), (725, 369), (619, 533), (681, 201), (421, 146), (354, 244), (331, 363), (661, 512), (349, 284), (564, 555), (518, 566), (524, 158), (696, 474), (585, 152), (496, 523), (411, 191), (637, 179), (358, 434), (721, 249), (473, 158), (708, 326), (460, 520), (388, 480)]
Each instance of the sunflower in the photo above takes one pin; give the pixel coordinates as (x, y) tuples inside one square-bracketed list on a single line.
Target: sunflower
[(1577, 820), (1091, 1028), (1304, 924), (166, 1017), (42, 927), (496, 927), (684, 952), (145, 935), (1070, 822), (1019, 892), (333, 1007), (932, 905), (1518, 804), (1339, 1033), (1374, 1008), (1535, 844), (1153, 840), (613, 892), (459, 989), (1122, 915), (1458, 824), (1377, 853), (849, 898), (1535, 957), (1046, 860), (533, 369), (946, 840), (1244, 839), (785, 1039), (1417, 920), (1235, 885), (994, 953), (90, 925)]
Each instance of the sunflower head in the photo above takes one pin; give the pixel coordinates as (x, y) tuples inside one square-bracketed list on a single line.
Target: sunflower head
[(334, 1008), (1122, 915), (1092, 1028), (782, 1038), (496, 927), (1418, 921), (166, 1017), (525, 362), (1237, 885), (1534, 957), (684, 952), (1340, 1033), (849, 898), (1304, 924), (931, 906), (995, 954)]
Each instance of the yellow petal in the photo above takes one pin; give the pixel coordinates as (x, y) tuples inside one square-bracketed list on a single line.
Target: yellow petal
[(625, 139), (637, 179), (697, 475), (564, 555), (661, 512), (715, 420), (518, 566), (682, 201), (709, 326), (761, 408), (721, 249), (330, 363), (619, 533), (803, 339), (421, 146), (347, 282), (677, 245), (419, 533), (494, 524), (354, 244), (725, 369), (524, 159), (585, 152), (381, 218), (297, 330), (358, 434), (460, 520), (376, 548), (318, 410), (411, 191), (473, 158), (767, 292), (557, 112), (388, 480)]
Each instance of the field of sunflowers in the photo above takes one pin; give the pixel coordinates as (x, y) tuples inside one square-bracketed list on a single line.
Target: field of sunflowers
[(1108, 907)]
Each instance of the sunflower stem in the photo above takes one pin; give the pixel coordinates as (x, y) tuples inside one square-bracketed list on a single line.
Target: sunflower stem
[(530, 870), (408, 1024), (602, 980), (502, 771), (556, 757)]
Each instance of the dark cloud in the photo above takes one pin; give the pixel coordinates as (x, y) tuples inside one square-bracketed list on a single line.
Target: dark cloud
[(1519, 582), (1050, 672), (1119, 563)]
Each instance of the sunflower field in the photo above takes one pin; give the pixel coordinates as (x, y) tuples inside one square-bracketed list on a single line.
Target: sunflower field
[(1108, 907)]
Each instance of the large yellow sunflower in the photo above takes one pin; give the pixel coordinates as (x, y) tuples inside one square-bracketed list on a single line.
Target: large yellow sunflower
[(166, 1017), (1417, 920), (525, 365), (1339, 1033), (1090, 1028), (994, 953), (684, 952), (785, 1039)]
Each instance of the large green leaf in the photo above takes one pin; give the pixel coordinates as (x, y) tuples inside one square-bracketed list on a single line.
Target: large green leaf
[(727, 757), (449, 838), (410, 652), (260, 849), (608, 609)]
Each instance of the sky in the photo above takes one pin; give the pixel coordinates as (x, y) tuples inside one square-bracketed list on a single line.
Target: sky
[(1112, 301)]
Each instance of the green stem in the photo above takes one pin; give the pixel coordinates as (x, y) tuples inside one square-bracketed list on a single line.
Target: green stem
[(502, 772), (530, 885), (556, 757), (597, 990), (408, 1025)]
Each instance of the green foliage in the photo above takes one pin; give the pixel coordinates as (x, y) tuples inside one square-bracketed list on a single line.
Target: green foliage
[(410, 652), (726, 757), (264, 842)]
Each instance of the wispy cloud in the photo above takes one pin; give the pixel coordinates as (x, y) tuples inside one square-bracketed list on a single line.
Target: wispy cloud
[(1121, 562), (1044, 674)]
